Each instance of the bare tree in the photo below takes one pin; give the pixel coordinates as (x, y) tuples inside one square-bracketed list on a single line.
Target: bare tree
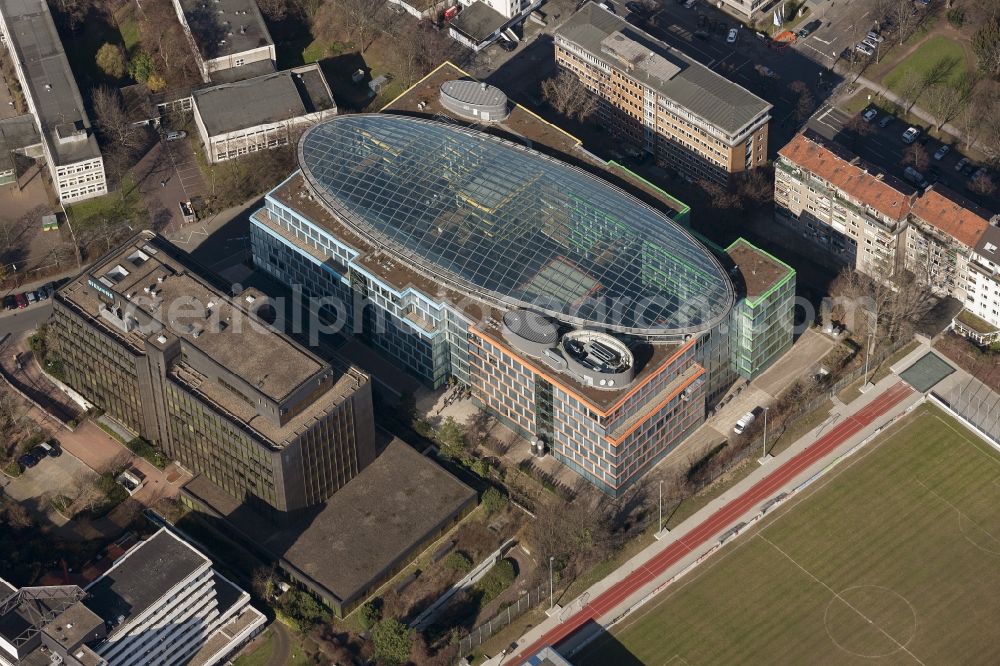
[(275, 10), (859, 128), (916, 156), (883, 311), (18, 516), (902, 16), (910, 89), (806, 103), (567, 95), (112, 119), (946, 101), (361, 19), (982, 184)]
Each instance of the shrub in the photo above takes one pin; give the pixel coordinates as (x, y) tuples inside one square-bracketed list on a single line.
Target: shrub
[(392, 641), (12, 469), (145, 450), (304, 608), (369, 614), (141, 67), (496, 580), (459, 562), (494, 501), (956, 17)]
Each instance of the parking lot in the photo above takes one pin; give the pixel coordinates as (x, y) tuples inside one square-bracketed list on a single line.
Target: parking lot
[(884, 147), (64, 475)]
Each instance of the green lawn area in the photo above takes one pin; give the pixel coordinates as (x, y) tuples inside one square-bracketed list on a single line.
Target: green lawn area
[(111, 207), (921, 61), (262, 654), (885, 560)]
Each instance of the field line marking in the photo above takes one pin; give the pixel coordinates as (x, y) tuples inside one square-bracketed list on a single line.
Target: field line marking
[(961, 513), (842, 599), (968, 439)]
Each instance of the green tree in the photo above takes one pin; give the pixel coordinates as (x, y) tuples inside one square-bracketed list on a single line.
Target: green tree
[(369, 614), (451, 436), (111, 61), (142, 67), (393, 642), (494, 501), (986, 44), (304, 608)]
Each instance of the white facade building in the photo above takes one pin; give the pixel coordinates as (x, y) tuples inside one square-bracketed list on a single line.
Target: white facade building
[(261, 113), (982, 290), (69, 146)]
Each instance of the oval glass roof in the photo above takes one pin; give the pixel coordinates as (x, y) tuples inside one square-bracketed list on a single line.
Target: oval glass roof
[(513, 227)]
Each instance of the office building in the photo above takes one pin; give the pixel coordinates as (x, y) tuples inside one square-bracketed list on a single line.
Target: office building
[(149, 338), (838, 202), (227, 37), (748, 10), (688, 117), (573, 311), (161, 603), (260, 113), (69, 146)]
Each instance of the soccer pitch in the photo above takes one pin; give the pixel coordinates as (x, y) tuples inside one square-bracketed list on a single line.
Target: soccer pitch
[(892, 557)]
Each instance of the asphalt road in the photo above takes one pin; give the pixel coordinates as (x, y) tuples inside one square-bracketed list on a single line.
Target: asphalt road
[(719, 520), (19, 321)]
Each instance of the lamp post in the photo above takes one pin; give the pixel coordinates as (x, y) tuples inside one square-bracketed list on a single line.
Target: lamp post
[(763, 455), (551, 595), (659, 520)]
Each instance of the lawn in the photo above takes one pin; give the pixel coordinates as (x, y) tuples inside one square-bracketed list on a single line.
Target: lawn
[(885, 560), (110, 208), (925, 58), (261, 655)]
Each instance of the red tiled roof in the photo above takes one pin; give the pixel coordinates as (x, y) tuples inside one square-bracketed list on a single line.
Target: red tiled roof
[(949, 212), (833, 164)]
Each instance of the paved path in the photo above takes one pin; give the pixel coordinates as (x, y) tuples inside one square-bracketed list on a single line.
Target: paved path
[(606, 605)]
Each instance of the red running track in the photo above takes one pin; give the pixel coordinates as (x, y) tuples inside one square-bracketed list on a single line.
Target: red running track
[(762, 490)]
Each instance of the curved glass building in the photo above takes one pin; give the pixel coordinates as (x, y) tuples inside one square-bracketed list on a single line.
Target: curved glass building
[(512, 227), (579, 316)]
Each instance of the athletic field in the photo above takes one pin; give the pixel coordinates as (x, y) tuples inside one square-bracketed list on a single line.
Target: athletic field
[(891, 558)]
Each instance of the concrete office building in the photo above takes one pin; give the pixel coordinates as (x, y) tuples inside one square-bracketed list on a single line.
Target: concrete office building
[(835, 200), (70, 148), (260, 113), (161, 603), (482, 22), (575, 312), (228, 38), (149, 338), (660, 100)]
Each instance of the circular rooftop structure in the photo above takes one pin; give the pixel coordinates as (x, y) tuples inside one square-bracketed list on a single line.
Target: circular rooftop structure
[(514, 228), (475, 100)]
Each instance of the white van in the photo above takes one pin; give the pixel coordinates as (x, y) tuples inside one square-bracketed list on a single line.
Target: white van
[(744, 422)]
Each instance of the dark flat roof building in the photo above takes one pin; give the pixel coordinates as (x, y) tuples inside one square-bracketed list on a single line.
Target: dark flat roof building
[(225, 34), (364, 534), (152, 339)]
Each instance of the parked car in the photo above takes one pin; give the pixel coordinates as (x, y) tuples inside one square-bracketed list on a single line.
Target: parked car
[(51, 449), (962, 163), (175, 135), (747, 419), (701, 34), (31, 297), (22, 302), (870, 115), (731, 37), (41, 293), (886, 120), (864, 48), (874, 37), (968, 169), (27, 461), (941, 152), (915, 177), (9, 302), (911, 134), (507, 46), (39, 452)]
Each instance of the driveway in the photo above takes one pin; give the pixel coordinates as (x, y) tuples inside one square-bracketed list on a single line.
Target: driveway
[(65, 475)]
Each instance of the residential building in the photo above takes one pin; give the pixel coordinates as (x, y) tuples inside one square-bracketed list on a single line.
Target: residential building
[(155, 342), (943, 230), (160, 603), (688, 117), (980, 320), (260, 113), (842, 204), (365, 534), (69, 146), (225, 36), (746, 10), (482, 22), (574, 312)]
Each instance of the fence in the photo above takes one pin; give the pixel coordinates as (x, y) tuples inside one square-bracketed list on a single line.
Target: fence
[(486, 630)]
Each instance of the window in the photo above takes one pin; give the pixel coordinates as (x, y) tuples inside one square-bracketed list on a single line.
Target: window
[(239, 62)]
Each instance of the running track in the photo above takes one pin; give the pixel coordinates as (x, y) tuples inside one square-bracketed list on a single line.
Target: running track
[(762, 490)]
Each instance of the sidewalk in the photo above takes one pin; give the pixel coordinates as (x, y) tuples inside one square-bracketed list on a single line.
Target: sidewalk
[(635, 581)]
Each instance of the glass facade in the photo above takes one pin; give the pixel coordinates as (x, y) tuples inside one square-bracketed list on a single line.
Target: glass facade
[(511, 226)]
